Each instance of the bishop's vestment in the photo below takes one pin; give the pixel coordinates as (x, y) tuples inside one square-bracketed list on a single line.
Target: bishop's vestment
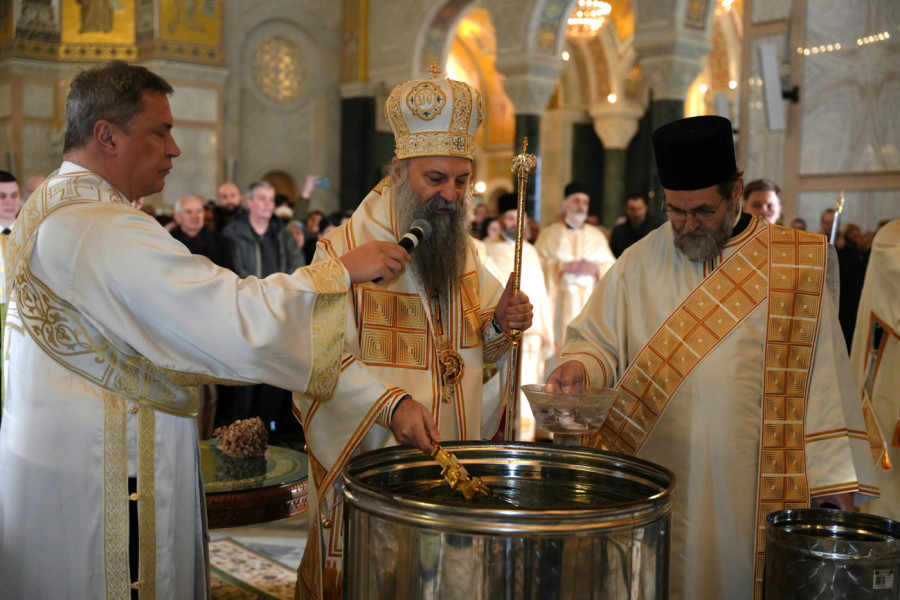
[(395, 345)]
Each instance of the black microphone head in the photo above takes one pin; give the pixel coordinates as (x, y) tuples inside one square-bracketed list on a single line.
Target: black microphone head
[(424, 228)]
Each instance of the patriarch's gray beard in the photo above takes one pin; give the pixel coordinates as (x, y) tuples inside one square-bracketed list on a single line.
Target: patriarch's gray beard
[(701, 245), (440, 261)]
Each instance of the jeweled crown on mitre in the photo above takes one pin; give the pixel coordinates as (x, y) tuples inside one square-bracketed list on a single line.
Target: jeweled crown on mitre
[(434, 117)]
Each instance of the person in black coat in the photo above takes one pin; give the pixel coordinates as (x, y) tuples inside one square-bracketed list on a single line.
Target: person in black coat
[(229, 205), (261, 246), (190, 231), (638, 223)]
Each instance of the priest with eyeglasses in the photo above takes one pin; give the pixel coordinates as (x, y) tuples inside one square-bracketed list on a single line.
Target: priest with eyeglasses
[(720, 332)]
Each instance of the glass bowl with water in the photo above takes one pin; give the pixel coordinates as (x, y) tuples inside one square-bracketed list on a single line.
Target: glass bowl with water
[(570, 414)]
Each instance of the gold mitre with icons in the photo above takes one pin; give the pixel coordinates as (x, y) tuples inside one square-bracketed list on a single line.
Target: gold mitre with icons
[(434, 117)]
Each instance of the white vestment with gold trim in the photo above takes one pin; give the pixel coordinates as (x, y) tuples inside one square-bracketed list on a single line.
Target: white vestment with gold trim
[(537, 341), (709, 432), (568, 292), (391, 349), (876, 356), (121, 321)]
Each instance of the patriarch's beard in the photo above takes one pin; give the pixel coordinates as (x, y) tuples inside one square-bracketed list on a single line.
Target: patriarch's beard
[(440, 261)]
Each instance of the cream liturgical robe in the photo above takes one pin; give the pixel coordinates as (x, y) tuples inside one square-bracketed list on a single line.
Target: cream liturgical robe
[(537, 341), (111, 322), (738, 391), (876, 356), (568, 292), (392, 348)]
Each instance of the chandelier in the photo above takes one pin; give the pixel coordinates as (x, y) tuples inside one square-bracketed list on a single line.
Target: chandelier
[(724, 6), (587, 18)]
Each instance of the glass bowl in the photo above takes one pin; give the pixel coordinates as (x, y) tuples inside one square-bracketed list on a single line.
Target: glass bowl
[(582, 410)]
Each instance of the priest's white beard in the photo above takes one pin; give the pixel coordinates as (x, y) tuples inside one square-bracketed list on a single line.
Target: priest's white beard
[(702, 245), (576, 219), (440, 261)]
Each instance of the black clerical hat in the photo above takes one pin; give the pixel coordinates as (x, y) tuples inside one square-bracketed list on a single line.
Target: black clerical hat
[(575, 187), (694, 153), (507, 202)]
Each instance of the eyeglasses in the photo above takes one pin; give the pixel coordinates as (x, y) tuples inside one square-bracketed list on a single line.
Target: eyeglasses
[(702, 214)]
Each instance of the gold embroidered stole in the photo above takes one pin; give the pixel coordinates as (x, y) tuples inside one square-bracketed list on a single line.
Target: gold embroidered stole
[(64, 333), (711, 312), (796, 283)]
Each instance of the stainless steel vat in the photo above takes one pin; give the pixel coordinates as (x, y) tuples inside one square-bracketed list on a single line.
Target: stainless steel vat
[(564, 522), (834, 554)]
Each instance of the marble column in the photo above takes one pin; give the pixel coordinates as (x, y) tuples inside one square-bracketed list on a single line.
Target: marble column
[(615, 125), (528, 127), (529, 83), (669, 76), (357, 143)]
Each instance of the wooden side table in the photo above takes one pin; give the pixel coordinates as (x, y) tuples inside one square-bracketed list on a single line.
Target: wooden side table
[(246, 492)]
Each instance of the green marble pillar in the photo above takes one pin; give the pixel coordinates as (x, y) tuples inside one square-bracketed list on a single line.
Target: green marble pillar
[(614, 186), (529, 126)]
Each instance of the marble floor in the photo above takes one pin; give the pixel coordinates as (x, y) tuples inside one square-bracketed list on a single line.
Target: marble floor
[(282, 540)]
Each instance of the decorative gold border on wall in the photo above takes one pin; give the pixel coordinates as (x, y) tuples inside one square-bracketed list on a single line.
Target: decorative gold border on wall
[(103, 52), (182, 52)]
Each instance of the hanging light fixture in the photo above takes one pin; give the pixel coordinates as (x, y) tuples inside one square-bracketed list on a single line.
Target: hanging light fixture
[(724, 6), (587, 18)]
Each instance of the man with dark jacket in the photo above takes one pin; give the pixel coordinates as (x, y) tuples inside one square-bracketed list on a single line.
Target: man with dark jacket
[(192, 232), (260, 246), (229, 204), (637, 224)]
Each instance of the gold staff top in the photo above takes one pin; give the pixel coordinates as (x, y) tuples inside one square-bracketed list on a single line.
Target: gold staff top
[(522, 165)]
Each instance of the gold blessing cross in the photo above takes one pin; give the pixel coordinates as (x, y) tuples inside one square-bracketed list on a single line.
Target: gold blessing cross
[(457, 476)]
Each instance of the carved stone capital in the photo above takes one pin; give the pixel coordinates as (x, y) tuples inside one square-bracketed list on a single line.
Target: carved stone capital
[(616, 124), (670, 75), (530, 82), (671, 55)]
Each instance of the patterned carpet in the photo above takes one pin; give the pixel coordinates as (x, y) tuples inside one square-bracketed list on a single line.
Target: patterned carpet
[(239, 573)]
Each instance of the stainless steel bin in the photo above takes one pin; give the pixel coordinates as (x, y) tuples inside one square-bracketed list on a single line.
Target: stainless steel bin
[(564, 522), (834, 554)]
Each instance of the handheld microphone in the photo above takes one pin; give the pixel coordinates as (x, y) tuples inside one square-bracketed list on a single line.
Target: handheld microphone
[(419, 231)]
